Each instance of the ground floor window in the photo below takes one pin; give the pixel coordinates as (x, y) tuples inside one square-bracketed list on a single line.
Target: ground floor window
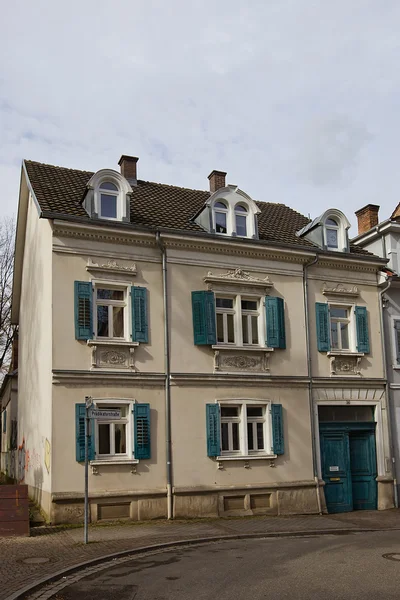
[(245, 428), (113, 437)]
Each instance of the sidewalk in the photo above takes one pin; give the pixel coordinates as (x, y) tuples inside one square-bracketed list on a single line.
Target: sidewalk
[(23, 561)]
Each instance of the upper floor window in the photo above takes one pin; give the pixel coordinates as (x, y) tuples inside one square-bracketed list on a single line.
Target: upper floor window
[(241, 220), (221, 217), (238, 320), (108, 193), (111, 315), (332, 233)]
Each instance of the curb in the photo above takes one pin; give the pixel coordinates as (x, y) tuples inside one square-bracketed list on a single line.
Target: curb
[(30, 589)]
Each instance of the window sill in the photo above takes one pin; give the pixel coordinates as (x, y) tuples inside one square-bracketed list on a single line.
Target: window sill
[(112, 342), (344, 353), (242, 348), (117, 461), (249, 457)]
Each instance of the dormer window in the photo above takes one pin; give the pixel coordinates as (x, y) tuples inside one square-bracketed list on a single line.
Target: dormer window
[(329, 231), (220, 216), (108, 200), (108, 196), (241, 220), (332, 233)]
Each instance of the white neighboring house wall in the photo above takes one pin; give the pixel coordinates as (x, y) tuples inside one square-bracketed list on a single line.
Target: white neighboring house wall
[(32, 311)]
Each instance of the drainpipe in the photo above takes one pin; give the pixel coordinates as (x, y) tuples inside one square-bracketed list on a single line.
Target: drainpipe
[(310, 384), (167, 377), (387, 389)]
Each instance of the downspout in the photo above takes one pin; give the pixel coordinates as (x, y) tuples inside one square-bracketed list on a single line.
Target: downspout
[(387, 389), (310, 383), (167, 378)]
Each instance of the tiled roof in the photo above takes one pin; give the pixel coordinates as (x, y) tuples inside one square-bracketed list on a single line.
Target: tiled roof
[(60, 190)]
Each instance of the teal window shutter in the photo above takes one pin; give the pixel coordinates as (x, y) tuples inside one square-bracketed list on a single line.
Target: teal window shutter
[(4, 421), (83, 310), (80, 413), (362, 329), (140, 329), (141, 414), (275, 318), (397, 339), (204, 322), (213, 423), (323, 326), (277, 429)]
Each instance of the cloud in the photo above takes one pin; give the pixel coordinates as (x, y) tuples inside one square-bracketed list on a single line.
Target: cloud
[(296, 100)]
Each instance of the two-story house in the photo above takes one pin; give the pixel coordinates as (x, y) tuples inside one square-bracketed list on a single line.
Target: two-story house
[(383, 239), (239, 341)]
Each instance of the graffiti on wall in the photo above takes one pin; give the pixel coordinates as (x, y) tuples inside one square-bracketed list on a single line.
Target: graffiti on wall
[(47, 450)]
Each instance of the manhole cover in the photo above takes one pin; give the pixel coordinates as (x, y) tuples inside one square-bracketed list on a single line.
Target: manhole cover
[(35, 560), (392, 556)]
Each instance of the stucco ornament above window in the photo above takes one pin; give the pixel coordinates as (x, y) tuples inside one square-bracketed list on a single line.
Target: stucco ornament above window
[(229, 212), (329, 231), (108, 196)]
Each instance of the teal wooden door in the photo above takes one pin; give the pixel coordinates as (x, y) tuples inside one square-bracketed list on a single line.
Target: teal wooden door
[(335, 464), (363, 469)]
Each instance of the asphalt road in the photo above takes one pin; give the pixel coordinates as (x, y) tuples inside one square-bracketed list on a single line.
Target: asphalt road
[(329, 567)]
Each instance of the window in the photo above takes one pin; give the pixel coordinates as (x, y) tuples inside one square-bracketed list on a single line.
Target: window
[(332, 233), (238, 320), (113, 437), (108, 193), (340, 326), (220, 216), (241, 220), (233, 213), (244, 429), (110, 316), (396, 342)]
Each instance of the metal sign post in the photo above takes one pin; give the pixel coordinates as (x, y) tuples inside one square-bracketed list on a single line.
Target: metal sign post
[(88, 405)]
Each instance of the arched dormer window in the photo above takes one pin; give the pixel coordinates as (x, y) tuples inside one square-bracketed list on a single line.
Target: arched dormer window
[(221, 217), (231, 212), (332, 230), (108, 196), (241, 220)]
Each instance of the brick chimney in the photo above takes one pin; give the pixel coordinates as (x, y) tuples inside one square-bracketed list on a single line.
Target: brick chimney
[(217, 180), (128, 167), (367, 217)]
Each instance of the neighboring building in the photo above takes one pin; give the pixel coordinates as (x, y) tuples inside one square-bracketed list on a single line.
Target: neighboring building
[(9, 429), (235, 337), (383, 239)]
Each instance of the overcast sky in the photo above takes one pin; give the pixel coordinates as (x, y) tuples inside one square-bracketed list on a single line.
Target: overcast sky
[(298, 100)]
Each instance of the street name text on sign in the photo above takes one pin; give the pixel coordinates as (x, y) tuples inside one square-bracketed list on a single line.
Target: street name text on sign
[(96, 413)]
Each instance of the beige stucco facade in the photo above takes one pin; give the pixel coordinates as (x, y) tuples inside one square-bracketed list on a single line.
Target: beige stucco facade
[(58, 371)]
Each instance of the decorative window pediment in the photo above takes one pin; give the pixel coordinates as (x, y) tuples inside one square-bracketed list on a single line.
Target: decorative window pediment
[(108, 196), (236, 280), (340, 290)]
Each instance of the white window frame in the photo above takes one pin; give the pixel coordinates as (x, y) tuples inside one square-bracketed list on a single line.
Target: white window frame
[(351, 328), (243, 451), (393, 339), (221, 211), (125, 304), (237, 312), (119, 195), (115, 403), (113, 194), (242, 214), (339, 228)]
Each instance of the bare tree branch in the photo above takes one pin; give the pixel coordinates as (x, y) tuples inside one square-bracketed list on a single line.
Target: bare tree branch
[(7, 331)]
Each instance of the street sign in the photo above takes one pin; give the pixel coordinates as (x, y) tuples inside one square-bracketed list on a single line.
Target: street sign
[(96, 413)]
